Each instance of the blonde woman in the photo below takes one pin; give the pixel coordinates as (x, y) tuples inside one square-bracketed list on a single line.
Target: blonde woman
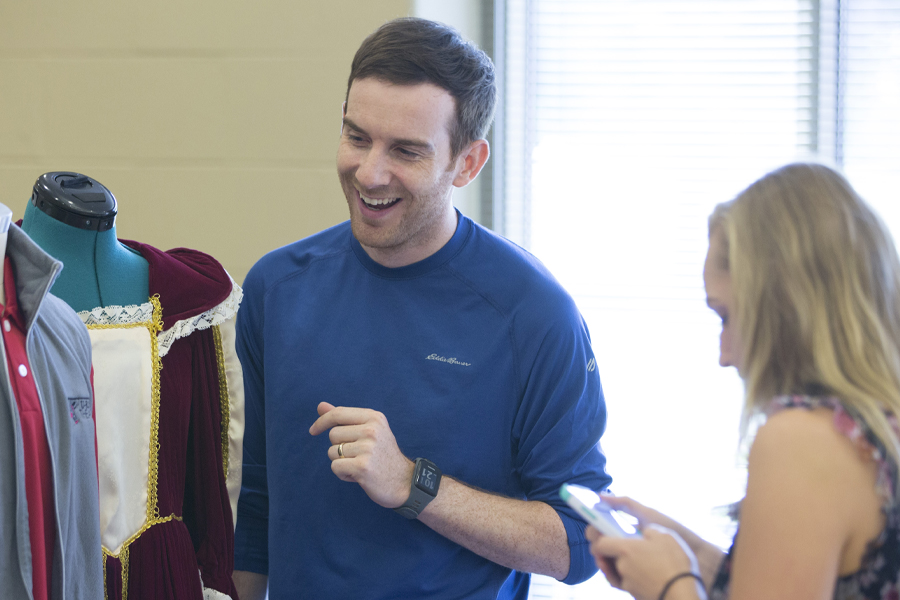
[(806, 280)]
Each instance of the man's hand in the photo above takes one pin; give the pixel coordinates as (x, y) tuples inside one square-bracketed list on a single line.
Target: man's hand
[(371, 456), (528, 536)]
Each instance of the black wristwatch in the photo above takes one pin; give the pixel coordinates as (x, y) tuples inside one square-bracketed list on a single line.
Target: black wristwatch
[(425, 482)]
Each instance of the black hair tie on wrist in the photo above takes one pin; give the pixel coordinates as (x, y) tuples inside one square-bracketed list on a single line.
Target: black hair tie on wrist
[(665, 590)]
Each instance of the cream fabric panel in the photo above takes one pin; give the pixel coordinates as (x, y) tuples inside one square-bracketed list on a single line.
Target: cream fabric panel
[(123, 378), (235, 379)]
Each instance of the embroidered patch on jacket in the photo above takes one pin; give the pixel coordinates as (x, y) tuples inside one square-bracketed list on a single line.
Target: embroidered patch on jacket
[(79, 408)]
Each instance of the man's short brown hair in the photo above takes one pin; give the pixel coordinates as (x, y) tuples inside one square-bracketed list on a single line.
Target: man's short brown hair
[(410, 51)]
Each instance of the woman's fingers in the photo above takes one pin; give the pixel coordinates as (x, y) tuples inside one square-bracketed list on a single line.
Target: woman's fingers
[(607, 566)]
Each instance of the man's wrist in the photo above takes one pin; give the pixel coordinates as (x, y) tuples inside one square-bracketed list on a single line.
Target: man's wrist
[(423, 488)]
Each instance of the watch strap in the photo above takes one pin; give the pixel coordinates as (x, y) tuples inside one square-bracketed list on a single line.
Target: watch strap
[(418, 499)]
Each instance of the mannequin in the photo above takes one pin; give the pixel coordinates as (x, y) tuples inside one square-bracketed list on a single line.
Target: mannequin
[(48, 506), (77, 221), (169, 393)]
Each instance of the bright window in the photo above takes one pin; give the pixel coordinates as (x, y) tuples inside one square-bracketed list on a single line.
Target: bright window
[(624, 123)]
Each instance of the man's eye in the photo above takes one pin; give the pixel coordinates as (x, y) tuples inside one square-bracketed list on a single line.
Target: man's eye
[(407, 153)]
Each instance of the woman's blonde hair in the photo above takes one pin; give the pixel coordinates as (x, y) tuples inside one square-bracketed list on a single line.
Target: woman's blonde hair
[(816, 282)]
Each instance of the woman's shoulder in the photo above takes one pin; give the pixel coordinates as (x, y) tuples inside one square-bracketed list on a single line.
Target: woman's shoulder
[(810, 452), (828, 421), (808, 428), (818, 474)]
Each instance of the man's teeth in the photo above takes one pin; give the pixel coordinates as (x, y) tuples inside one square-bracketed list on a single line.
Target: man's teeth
[(377, 201)]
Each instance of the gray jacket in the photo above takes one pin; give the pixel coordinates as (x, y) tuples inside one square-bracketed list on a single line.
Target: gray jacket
[(59, 351)]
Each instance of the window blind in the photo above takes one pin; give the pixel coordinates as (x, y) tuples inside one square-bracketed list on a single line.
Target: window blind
[(625, 122), (869, 73)]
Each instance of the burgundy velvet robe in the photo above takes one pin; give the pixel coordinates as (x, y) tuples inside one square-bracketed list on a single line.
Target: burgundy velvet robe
[(163, 563)]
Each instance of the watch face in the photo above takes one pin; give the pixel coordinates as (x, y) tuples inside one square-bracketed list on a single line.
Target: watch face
[(427, 479)]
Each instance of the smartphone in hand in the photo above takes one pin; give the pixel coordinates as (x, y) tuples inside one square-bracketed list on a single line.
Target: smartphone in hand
[(595, 511)]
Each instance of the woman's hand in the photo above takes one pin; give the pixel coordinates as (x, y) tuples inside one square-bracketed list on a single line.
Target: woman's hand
[(647, 516), (642, 566), (708, 556)]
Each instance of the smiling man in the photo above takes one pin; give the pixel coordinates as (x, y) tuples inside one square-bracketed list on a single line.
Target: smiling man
[(397, 170), (417, 387)]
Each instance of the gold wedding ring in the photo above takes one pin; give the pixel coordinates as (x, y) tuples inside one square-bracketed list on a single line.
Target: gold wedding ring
[(341, 450)]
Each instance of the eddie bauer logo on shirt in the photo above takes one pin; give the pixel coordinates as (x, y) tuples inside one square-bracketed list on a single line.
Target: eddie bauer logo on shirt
[(451, 361)]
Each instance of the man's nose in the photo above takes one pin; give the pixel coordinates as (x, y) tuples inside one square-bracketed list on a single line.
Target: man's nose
[(374, 170)]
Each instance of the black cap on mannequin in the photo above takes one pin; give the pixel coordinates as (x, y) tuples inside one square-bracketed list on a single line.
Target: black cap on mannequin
[(76, 200)]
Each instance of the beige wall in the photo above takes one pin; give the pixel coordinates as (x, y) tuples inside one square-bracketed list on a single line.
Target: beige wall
[(214, 123)]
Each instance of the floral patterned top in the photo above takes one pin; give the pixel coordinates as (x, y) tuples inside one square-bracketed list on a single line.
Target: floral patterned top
[(879, 575)]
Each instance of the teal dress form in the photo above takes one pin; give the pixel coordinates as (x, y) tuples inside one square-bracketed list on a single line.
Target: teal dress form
[(97, 269)]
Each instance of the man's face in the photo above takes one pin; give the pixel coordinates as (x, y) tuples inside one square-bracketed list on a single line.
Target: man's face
[(395, 169)]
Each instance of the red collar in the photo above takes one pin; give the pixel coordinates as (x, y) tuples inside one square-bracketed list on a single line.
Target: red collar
[(11, 308)]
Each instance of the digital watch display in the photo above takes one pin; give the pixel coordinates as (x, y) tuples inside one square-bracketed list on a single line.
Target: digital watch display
[(423, 489)]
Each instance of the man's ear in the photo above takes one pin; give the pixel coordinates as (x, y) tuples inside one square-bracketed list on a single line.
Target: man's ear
[(473, 159)]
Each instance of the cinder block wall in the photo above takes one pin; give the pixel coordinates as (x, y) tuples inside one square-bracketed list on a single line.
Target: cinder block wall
[(214, 123)]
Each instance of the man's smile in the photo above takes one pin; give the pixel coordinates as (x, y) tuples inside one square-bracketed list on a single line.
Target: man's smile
[(378, 203)]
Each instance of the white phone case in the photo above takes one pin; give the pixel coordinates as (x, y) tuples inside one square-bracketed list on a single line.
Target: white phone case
[(592, 509)]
